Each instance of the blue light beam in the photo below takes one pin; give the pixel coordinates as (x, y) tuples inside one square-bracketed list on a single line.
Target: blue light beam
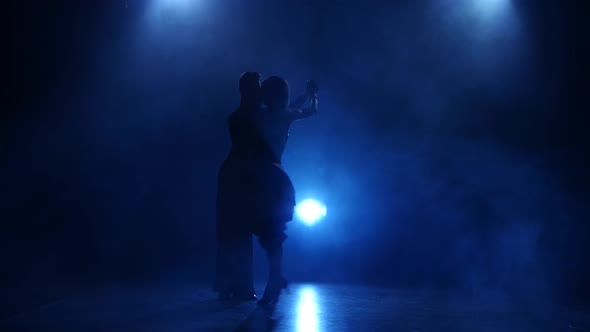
[(492, 9)]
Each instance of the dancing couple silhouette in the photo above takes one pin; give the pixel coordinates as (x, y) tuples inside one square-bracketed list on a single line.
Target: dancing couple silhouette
[(254, 193)]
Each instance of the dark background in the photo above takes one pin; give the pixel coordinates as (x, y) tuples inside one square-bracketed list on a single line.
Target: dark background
[(450, 148)]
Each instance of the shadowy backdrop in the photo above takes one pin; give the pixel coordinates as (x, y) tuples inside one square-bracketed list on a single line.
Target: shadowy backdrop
[(450, 148)]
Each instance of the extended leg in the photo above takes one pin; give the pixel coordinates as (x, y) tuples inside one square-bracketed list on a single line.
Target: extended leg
[(271, 240)]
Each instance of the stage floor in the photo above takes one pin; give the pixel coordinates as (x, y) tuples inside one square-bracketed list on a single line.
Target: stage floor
[(307, 307)]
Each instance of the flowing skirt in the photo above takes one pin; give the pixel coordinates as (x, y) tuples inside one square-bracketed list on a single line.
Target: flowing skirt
[(255, 190), (253, 197)]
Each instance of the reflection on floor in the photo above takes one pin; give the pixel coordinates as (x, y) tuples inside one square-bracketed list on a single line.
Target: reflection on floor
[(304, 308)]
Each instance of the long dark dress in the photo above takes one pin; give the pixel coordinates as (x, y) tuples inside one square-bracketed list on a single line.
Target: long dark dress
[(255, 194), (273, 193)]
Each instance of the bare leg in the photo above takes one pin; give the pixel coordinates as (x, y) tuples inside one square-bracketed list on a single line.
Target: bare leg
[(272, 242)]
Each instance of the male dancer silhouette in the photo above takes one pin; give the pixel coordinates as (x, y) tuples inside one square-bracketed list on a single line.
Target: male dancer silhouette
[(234, 254)]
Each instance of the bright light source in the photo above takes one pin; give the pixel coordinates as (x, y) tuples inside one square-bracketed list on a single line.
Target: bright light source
[(172, 10), (178, 3), (491, 7), (310, 211)]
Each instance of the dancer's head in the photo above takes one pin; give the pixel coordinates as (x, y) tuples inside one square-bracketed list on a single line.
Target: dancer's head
[(275, 92), (250, 89)]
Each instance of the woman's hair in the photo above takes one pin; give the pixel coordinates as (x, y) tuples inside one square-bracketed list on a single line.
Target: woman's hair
[(250, 85), (275, 92)]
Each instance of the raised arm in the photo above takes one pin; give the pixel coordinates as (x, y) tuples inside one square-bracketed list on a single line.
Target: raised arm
[(299, 114), (311, 90), (299, 101)]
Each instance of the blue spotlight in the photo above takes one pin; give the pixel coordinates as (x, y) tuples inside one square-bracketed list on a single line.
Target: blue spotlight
[(174, 9), (179, 3), (310, 211), (491, 7)]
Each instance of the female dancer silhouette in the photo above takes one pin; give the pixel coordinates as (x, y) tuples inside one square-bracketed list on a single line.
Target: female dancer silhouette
[(273, 194)]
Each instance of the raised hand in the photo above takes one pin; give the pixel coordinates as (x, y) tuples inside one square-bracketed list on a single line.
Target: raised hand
[(312, 88)]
